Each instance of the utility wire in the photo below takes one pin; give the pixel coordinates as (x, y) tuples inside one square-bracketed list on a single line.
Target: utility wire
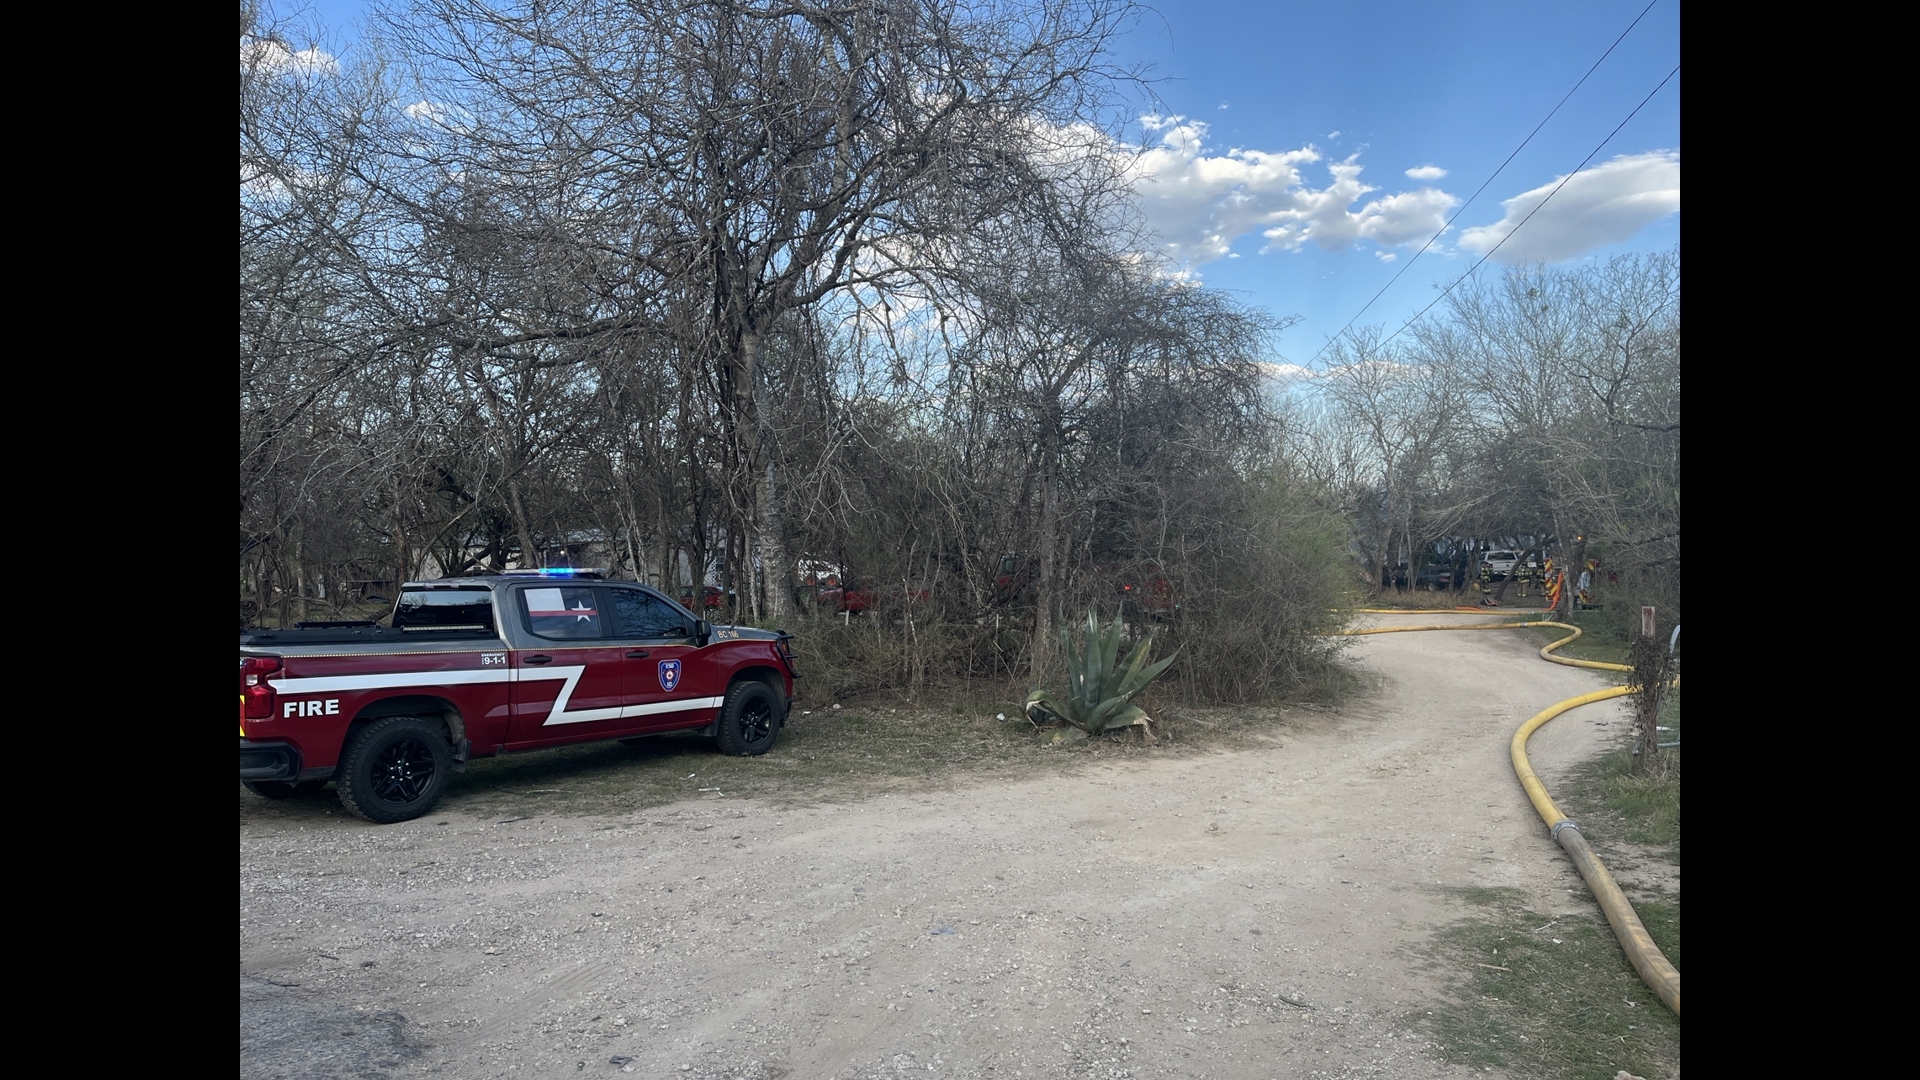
[(1496, 173), (1537, 209)]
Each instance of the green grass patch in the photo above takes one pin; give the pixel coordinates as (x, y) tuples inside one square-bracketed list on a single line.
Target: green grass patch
[(1547, 997), (1592, 644), (1623, 798), (1551, 997), (1662, 920), (1638, 804)]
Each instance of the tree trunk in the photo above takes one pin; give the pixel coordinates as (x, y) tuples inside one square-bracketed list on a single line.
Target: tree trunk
[(402, 549), (1383, 573), (753, 577), (1570, 582), (528, 556), (774, 564), (1406, 542), (698, 556), (299, 567), (1648, 657), (262, 589), (669, 550), (1044, 583), (741, 583), (730, 574)]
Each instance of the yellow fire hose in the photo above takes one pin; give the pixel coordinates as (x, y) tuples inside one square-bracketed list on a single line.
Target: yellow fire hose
[(1660, 976)]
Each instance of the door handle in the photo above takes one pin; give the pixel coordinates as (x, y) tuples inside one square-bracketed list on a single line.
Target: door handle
[(638, 654), (536, 659)]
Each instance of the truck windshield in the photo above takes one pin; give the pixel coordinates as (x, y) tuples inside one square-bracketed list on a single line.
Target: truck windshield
[(467, 608)]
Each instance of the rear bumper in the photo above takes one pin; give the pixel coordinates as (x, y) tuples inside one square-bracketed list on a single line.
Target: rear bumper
[(268, 761)]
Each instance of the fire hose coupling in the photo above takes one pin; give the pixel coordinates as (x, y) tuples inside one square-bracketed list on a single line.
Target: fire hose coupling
[(1563, 823)]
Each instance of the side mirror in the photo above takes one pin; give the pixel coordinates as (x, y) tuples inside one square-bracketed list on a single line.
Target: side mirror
[(702, 630)]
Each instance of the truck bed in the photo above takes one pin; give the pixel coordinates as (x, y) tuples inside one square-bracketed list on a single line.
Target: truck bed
[(362, 635)]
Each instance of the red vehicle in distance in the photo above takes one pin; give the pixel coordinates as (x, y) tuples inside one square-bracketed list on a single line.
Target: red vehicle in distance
[(1143, 587), (711, 598)]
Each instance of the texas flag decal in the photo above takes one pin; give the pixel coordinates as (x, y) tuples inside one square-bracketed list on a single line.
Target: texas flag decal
[(669, 675)]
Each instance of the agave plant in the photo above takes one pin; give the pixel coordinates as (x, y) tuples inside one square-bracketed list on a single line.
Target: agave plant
[(1099, 694)]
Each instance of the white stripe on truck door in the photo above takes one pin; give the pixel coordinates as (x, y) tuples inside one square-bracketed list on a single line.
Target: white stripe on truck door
[(556, 715)]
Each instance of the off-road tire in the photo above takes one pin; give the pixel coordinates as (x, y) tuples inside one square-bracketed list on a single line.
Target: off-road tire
[(750, 719), (395, 769)]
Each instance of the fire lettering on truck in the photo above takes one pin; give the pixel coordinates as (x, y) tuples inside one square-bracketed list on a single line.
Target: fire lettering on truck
[(329, 707)]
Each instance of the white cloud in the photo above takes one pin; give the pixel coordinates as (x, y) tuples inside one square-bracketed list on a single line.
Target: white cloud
[(1333, 134), (1285, 374), (259, 186), (1223, 105), (262, 187), (273, 58), (450, 117), (1385, 256), (1426, 172), (1384, 372), (1199, 204), (1324, 218), (1603, 205)]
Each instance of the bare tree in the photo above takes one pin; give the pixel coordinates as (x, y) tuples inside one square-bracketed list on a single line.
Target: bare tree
[(748, 157), (1576, 393), (1392, 417), (712, 283)]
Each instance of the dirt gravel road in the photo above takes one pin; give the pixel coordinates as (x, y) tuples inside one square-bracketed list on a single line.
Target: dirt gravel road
[(1233, 915)]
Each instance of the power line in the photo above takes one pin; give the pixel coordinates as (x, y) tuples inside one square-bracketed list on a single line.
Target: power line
[(1489, 180), (1536, 209)]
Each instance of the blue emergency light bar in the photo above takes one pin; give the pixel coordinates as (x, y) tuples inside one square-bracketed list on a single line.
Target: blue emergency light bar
[(556, 572)]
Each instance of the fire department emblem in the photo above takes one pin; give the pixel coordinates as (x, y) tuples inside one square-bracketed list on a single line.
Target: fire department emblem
[(669, 675)]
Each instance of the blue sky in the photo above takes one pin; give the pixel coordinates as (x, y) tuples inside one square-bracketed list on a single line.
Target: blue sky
[(1398, 86), (1284, 135)]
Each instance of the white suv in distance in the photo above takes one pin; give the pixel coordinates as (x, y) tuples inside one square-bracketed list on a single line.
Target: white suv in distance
[(1500, 563)]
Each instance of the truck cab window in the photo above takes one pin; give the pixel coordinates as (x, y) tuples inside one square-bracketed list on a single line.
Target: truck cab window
[(565, 614), (444, 608), (639, 615)]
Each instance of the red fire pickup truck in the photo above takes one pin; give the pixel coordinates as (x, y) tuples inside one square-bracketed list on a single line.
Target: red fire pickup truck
[(476, 666)]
